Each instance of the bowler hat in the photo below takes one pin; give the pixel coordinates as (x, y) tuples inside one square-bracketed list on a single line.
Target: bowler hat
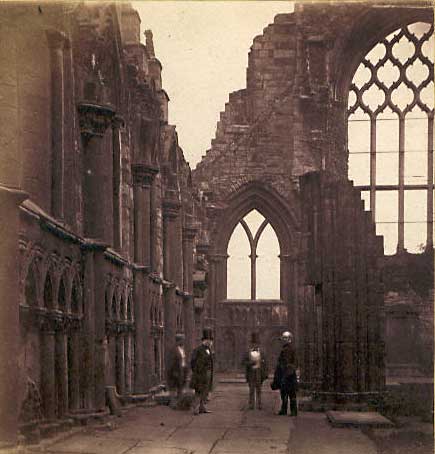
[(207, 334), (255, 338)]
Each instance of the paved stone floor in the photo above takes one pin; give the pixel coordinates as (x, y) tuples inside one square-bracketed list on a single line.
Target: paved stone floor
[(230, 429)]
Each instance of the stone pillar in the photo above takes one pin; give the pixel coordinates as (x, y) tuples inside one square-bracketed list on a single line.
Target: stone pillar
[(94, 326), (9, 319), (169, 301), (74, 392), (139, 305), (177, 252), (120, 364), (189, 323), (171, 207), (62, 372), (143, 176), (97, 178), (100, 328), (128, 363), (88, 365), (56, 42), (117, 123), (48, 370), (189, 233)]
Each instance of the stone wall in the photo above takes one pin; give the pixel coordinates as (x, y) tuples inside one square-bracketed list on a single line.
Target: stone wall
[(107, 235), (290, 120)]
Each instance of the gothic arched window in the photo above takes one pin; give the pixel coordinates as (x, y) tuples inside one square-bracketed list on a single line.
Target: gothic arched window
[(253, 266), (390, 136)]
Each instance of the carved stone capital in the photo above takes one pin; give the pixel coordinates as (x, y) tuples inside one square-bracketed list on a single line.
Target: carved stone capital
[(171, 205), (216, 258), (143, 174), (189, 232), (94, 119)]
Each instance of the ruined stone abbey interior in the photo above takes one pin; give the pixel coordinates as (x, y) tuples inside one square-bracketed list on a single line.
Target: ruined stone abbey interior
[(312, 211)]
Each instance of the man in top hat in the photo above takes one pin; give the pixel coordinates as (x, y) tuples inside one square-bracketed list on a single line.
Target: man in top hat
[(202, 371), (286, 378), (177, 371), (255, 371)]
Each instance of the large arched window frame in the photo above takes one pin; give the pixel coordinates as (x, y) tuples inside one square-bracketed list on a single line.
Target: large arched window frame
[(394, 84), (254, 225)]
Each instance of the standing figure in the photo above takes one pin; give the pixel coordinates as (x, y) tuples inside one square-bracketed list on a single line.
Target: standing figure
[(255, 371), (286, 378), (202, 372), (177, 371)]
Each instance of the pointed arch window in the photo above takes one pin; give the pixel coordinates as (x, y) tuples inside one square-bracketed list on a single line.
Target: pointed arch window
[(390, 136), (253, 265)]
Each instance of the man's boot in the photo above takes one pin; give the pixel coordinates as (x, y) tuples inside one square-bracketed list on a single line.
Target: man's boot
[(293, 407), (284, 403)]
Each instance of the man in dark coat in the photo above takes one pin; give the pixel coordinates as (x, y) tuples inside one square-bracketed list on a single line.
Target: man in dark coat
[(286, 378), (202, 372), (255, 371), (177, 371)]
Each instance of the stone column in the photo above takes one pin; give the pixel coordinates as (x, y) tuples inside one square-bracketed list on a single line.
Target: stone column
[(143, 175), (74, 392), (94, 325), (48, 351), (62, 371), (120, 364), (177, 253), (117, 123), (97, 163), (171, 207), (189, 233), (170, 319), (56, 42), (88, 334), (139, 304), (99, 327), (189, 323), (9, 319)]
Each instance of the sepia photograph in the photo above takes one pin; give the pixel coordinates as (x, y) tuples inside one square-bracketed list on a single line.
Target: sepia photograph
[(216, 227)]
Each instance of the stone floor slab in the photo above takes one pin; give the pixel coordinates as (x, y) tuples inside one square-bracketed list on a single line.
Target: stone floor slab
[(313, 434), (357, 419), (244, 446), (89, 444)]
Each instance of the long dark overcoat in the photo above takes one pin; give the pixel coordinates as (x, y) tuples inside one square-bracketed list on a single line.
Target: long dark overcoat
[(285, 373), (202, 369)]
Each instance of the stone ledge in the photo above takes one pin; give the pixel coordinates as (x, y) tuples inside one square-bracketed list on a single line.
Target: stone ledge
[(358, 419)]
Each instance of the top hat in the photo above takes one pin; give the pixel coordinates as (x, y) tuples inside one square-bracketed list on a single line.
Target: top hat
[(255, 338), (207, 334)]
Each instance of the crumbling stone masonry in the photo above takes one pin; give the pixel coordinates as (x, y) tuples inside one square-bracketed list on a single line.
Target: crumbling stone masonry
[(110, 244), (281, 140)]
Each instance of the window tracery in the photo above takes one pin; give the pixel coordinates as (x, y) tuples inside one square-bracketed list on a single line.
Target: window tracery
[(390, 136)]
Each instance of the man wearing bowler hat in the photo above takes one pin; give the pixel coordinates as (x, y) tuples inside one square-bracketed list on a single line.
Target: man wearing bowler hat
[(202, 371), (255, 371)]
